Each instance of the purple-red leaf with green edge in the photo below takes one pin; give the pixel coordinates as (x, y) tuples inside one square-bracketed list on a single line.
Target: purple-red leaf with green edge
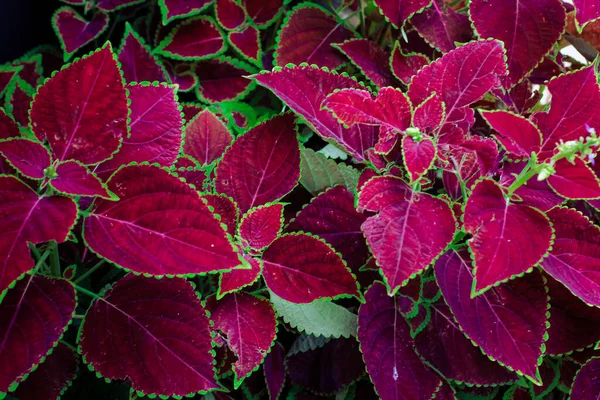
[(261, 226), (521, 98), (405, 66), (534, 193), (167, 348), (574, 180), (75, 179), (18, 102), (332, 217), (222, 80), (418, 156), (113, 5), (74, 31), (508, 239), (429, 114), (575, 103), (451, 353), (70, 109), (304, 89), (573, 324), (586, 11), (398, 11), (33, 316), (29, 157), (27, 218), (587, 385), (262, 165), (300, 269), (248, 323), (387, 347), (8, 127), (247, 42), (515, 133), (236, 279), (442, 27), (326, 369), (206, 137), (263, 12), (226, 209), (31, 68), (528, 29), (193, 176), (137, 62), (307, 36), (274, 370), (173, 9), (155, 128), (51, 378), (190, 110), (182, 75), (194, 39), (180, 233), (229, 14), (508, 322), (6, 76), (409, 231), (575, 256), (372, 60)]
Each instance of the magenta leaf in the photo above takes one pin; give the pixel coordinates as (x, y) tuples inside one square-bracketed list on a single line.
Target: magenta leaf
[(418, 156), (262, 165), (70, 110), (405, 66), (230, 15), (225, 207), (307, 36), (508, 322), (74, 178), (74, 32), (575, 256), (574, 181), (164, 317), (398, 11), (222, 79), (396, 235), (263, 12), (586, 11), (155, 128), (25, 339), (29, 157), (27, 218), (274, 370), (515, 133), (508, 239), (528, 29), (371, 59), (261, 225), (332, 217), (387, 348), (300, 269), (194, 39), (174, 9), (247, 43), (206, 137), (181, 235), (137, 62), (304, 89), (248, 323), (587, 385), (430, 114), (51, 378), (113, 5), (236, 279)]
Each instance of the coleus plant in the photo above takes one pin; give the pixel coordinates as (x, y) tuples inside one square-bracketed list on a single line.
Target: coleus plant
[(272, 199)]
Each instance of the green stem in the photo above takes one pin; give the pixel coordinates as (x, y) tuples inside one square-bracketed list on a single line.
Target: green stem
[(41, 259), (87, 292), (89, 271), (54, 260), (363, 28)]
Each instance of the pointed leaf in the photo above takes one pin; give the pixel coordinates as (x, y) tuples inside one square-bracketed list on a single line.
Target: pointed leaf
[(508, 239), (405, 221), (371, 59), (222, 79), (515, 133), (274, 371), (319, 172), (247, 42), (29, 157), (137, 62), (261, 166), (206, 138), (167, 348), (194, 39), (174, 9), (180, 234), (301, 268), (575, 181), (586, 11), (261, 225), (226, 209), (263, 12), (405, 66), (7, 73), (74, 32), (236, 279), (31, 71), (75, 179), (442, 27), (397, 12), (18, 101), (33, 316), (587, 385), (418, 156), (229, 14)]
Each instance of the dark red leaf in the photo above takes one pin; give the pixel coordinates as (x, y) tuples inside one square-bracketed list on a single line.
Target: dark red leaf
[(174, 9), (31, 69), (586, 11), (521, 98), (515, 133), (274, 371), (397, 12), (261, 225), (137, 62), (247, 42), (18, 101), (418, 156), (222, 79), (587, 384), (182, 75), (206, 137), (405, 66), (371, 59), (227, 210), (7, 73), (75, 179), (194, 39), (113, 5), (575, 181), (263, 12), (229, 14), (534, 193), (236, 279), (29, 157), (8, 127), (429, 114), (74, 32)]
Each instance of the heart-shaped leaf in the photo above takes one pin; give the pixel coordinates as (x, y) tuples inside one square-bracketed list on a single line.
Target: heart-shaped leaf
[(300, 269), (586, 385), (247, 42), (398, 12), (75, 179), (261, 225), (137, 61), (70, 110), (387, 347), (274, 370), (405, 66), (236, 279), (248, 323), (175, 9), (319, 172), (181, 235), (371, 59), (396, 235), (194, 39), (29, 157), (26, 340), (574, 180), (222, 79), (263, 12), (508, 322), (586, 11), (262, 165), (74, 32), (206, 137), (515, 133), (508, 239), (166, 318), (418, 156), (230, 15)]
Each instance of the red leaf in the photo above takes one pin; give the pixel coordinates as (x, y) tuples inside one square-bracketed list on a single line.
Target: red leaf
[(574, 181), (181, 74), (74, 32), (429, 114), (222, 79), (508, 239), (534, 193), (586, 11), (247, 42), (33, 316), (70, 110), (29, 157), (263, 12), (226, 209), (515, 133), (263, 165), (301, 268), (236, 279), (229, 14), (180, 234), (194, 39), (137, 62), (18, 101), (75, 179), (8, 127), (7, 73), (418, 156), (370, 59), (405, 66), (587, 384), (248, 324), (167, 348), (175, 9), (274, 371), (398, 11), (206, 138), (261, 225), (113, 5), (31, 71)]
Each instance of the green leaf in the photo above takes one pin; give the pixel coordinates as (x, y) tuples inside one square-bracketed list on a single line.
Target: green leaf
[(320, 173)]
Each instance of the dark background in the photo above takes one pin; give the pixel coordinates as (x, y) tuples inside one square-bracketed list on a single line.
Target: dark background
[(25, 24)]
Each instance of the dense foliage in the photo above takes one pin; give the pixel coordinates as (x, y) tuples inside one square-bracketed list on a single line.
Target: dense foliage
[(262, 199)]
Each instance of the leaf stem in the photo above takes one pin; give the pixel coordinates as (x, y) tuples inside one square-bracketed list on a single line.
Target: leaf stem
[(41, 259), (54, 259), (90, 271), (87, 292)]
